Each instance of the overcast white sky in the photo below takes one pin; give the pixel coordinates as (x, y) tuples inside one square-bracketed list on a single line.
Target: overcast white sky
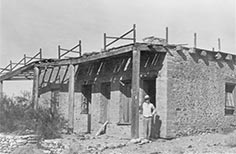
[(27, 25)]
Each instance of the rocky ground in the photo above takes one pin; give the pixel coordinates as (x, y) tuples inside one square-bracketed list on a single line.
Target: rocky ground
[(85, 143)]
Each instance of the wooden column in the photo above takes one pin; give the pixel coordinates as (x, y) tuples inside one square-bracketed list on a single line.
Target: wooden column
[(1, 91), (71, 95), (195, 40), (135, 93), (35, 88), (219, 46), (167, 35)]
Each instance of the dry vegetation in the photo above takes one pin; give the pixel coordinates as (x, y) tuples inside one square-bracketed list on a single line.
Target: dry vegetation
[(18, 116)]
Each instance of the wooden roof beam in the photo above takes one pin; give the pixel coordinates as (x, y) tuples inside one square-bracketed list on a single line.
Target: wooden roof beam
[(17, 71), (218, 56), (229, 57), (203, 53)]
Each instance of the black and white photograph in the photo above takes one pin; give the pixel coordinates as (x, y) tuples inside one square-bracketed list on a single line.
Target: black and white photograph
[(117, 77)]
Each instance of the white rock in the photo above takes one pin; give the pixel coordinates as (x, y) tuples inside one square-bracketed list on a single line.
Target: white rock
[(135, 140), (47, 151)]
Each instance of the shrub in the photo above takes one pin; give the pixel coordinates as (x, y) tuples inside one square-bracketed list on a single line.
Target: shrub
[(49, 124), (17, 114), (10, 114), (230, 140)]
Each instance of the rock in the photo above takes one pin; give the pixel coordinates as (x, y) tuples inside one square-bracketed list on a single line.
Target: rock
[(144, 141), (21, 142), (103, 148), (47, 151), (75, 147), (111, 146), (82, 138), (190, 146), (28, 150), (135, 141)]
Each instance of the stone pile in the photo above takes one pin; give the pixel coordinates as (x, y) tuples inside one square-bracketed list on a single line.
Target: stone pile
[(9, 143), (52, 146)]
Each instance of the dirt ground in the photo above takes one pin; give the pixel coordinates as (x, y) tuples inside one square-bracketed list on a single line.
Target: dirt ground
[(204, 143), (84, 143)]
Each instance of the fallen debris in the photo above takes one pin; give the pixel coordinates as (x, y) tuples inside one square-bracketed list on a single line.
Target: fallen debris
[(139, 141), (102, 130)]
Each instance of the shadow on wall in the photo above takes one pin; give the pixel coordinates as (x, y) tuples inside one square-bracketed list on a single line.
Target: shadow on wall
[(156, 126)]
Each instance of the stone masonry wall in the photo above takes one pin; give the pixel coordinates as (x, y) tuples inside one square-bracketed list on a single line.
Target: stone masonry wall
[(115, 70), (196, 92)]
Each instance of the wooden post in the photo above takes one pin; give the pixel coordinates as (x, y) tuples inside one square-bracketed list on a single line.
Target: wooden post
[(195, 40), (59, 52), (105, 43), (10, 65), (167, 35), (71, 97), (35, 88), (40, 53), (135, 93), (24, 59), (80, 48), (134, 33), (1, 92), (219, 46)]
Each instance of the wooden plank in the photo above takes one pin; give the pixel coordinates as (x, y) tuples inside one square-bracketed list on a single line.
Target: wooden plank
[(20, 79), (17, 71), (1, 91), (112, 52), (203, 53), (218, 55), (167, 35), (111, 37), (219, 46), (109, 53), (71, 96), (35, 88), (195, 40), (118, 38), (229, 57), (135, 93)]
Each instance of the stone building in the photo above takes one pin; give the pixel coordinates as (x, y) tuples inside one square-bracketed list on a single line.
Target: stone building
[(192, 89)]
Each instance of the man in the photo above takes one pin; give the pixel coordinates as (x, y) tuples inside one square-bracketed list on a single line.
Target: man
[(148, 112)]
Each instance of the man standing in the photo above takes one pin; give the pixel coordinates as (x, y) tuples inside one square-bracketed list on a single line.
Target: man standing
[(148, 112)]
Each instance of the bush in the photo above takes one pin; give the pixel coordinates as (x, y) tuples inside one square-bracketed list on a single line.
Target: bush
[(230, 140), (49, 124), (11, 115), (17, 114)]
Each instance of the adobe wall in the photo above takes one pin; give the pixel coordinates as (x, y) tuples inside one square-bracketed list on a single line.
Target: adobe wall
[(81, 120), (118, 70), (196, 93)]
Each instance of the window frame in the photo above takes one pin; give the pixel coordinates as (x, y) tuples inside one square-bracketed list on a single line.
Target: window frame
[(230, 91)]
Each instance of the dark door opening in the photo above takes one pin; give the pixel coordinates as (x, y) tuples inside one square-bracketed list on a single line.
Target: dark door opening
[(87, 100), (149, 87), (105, 99), (87, 95)]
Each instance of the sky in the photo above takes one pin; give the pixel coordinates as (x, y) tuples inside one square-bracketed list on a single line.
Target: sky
[(27, 25)]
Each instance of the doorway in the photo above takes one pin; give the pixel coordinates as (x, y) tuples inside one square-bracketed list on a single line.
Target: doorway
[(87, 100), (87, 95), (149, 87)]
